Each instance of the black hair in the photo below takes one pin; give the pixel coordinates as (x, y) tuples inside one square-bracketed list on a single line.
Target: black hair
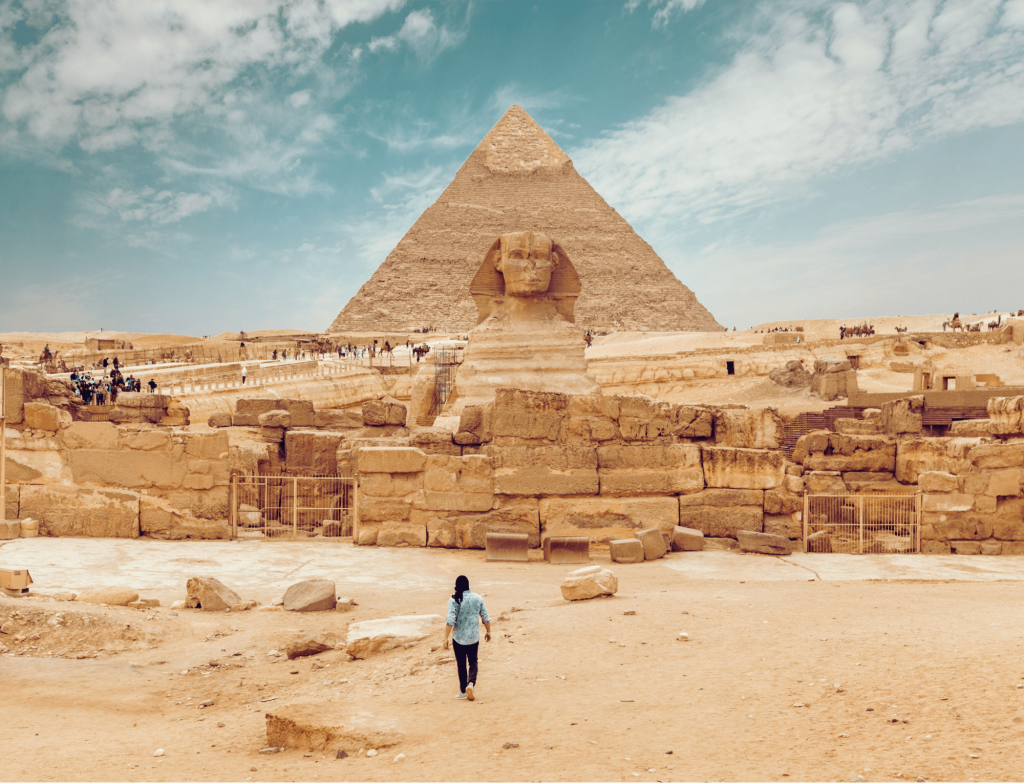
[(461, 586)]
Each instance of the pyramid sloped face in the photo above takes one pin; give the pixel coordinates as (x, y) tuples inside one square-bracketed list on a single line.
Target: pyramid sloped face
[(518, 179)]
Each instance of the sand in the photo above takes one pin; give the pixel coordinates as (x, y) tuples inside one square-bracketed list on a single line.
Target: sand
[(927, 675)]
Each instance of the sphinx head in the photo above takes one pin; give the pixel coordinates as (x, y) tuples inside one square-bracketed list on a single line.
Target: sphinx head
[(526, 261)]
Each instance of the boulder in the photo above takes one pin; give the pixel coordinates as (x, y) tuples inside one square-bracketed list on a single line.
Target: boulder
[(275, 419), (686, 539), (324, 726), (220, 420), (111, 596), (589, 582), (209, 594), (903, 416), (653, 541), (760, 428), (375, 636), (383, 413), (764, 543), (474, 425), (793, 376), (626, 550), (314, 595), (308, 644)]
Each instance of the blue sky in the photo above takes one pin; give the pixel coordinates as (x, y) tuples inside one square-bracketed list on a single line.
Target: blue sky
[(195, 167)]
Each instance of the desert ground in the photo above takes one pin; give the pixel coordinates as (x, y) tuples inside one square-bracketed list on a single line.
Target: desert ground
[(812, 667)]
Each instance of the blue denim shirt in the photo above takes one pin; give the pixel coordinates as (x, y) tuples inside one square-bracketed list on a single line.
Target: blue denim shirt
[(467, 630)]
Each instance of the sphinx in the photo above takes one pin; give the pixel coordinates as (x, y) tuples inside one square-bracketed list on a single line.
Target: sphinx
[(525, 338)]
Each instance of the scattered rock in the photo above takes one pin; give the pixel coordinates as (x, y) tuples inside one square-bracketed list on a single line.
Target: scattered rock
[(373, 636), (220, 420), (371, 753), (682, 637), (383, 413), (626, 550), (686, 539), (112, 596), (209, 594), (589, 582), (314, 595), (341, 755), (277, 419), (207, 703), (309, 645), (178, 605), (510, 745), (653, 542), (158, 752), (345, 605), (794, 376), (271, 749), (764, 543), (400, 757)]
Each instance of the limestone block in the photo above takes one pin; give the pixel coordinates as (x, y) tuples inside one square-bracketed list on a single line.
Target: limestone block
[(692, 422), (213, 445), (311, 451), (720, 544), (1004, 483), (831, 364), (742, 468), (441, 532), (337, 419), (764, 543), (12, 499), (686, 539), (722, 521), (209, 594), (724, 498), (373, 509), (33, 466), (14, 399), (947, 502), (301, 412), (653, 541), (591, 418), (521, 517), (935, 547), (278, 419), (603, 518), (176, 415), (458, 501), (857, 427), (589, 582), (371, 637), (794, 484), (251, 407), (402, 534), (527, 415), (991, 547), (312, 595), (366, 533), (193, 481), (90, 435), (219, 419), (82, 511), (966, 547), (985, 504), (793, 376), (785, 525), (390, 460), (160, 519), (245, 420), (861, 480), (915, 456), (308, 644), (1006, 415), (831, 386), (393, 485), (433, 440), (813, 442), (41, 416), (110, 596), (626, 550), (854, 453), (475, 425), (559, 550), (1000, 455), (902, 416), (142, 400), (634, 469), (10, 529), (962, 526), (543, 470), (760, 428), (778, 501), (507, 547), (384, 413), (328, 727), (135, 470), (147, 440)]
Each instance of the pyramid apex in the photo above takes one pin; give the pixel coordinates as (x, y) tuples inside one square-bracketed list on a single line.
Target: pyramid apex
[(517, 144)]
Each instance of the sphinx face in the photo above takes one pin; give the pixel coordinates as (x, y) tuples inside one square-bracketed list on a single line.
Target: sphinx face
[(526, 263)]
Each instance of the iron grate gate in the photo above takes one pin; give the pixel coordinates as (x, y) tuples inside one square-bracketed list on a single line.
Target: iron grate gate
[(293, 508), (862, 524), (446, 363)]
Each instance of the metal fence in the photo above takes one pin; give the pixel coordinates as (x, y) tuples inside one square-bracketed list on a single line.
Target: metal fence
[(293, 508), (446, 364), (862, 524)]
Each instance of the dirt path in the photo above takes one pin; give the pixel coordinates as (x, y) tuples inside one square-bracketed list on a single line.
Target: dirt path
[(946, 657)]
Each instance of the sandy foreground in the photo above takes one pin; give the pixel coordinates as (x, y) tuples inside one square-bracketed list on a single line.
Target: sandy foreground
[(911, 677)]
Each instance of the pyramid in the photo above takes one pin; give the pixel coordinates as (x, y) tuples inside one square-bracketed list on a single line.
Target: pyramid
[(518, 179)]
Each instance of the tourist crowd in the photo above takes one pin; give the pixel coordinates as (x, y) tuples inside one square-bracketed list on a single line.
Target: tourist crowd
[(104, 390)]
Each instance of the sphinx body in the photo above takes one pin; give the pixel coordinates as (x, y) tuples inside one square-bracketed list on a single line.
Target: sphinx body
[(525, 293)]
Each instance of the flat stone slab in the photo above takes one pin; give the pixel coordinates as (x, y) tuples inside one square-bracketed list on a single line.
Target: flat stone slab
[(686, 539), (375, 636), (326, 726), (314, 595), (626, 550), (764, 543)]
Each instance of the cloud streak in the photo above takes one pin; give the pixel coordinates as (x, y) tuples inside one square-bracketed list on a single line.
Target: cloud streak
[(820, 88)]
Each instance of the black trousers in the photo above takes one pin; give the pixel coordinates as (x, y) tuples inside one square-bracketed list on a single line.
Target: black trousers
[(464, 653)]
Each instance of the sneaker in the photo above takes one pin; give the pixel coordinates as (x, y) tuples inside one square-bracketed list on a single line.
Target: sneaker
[(461, 696), (469, 692)]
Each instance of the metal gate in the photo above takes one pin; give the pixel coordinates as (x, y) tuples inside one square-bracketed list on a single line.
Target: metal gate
[(446, 362), (862, 524), (293, 508)]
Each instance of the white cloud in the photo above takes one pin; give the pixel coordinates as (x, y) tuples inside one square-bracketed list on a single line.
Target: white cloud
[(813, 94), (422, 34), (666, 8), (300, 98)]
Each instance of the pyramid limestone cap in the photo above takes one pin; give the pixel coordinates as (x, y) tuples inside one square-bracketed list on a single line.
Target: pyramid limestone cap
[(517, 144)]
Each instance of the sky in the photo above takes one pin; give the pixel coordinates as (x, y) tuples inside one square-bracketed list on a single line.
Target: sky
[(194, 167)]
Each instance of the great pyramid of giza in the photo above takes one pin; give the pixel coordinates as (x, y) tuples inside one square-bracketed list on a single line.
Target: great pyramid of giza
[(518, 179)]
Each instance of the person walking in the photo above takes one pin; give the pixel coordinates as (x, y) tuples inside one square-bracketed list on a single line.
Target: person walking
[(245, 374), (464, 609)]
